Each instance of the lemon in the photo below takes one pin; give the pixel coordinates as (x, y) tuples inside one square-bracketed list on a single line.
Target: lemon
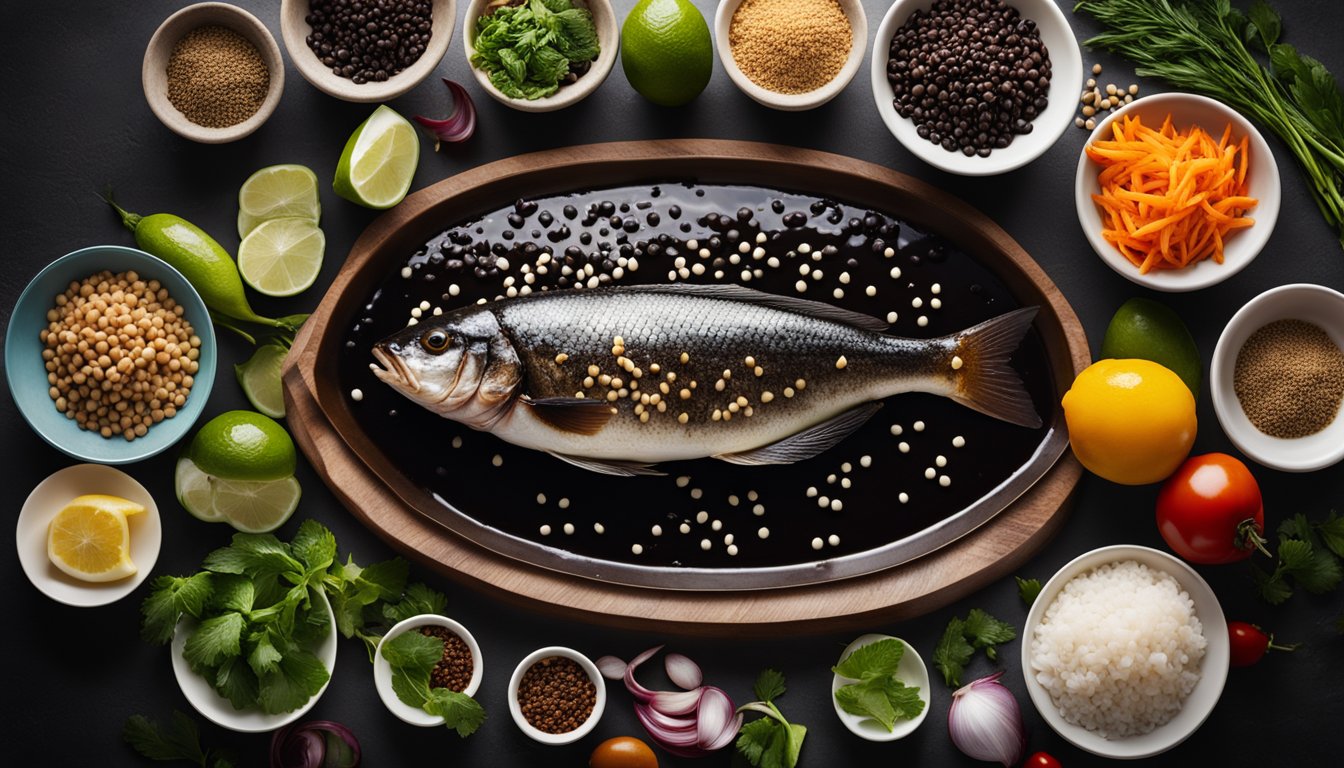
[(1130, 421), (260, 380), (282, 257), (278, 191), (243, 445), (90, 540), (1153, 331), (666, 51), (378, 162)]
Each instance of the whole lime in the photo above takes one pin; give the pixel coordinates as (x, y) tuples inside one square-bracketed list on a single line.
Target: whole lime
[(1150, 330), (666, 51), (243, 445)]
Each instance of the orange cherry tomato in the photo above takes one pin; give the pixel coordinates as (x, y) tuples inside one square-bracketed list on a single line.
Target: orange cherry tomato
[(623, 752)]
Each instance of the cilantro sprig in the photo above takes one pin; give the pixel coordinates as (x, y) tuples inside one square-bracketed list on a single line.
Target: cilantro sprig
[(178, 739), (1028, 589), (963, 637), (771, 741), (878, 694), (413, 656), (1308, 557)]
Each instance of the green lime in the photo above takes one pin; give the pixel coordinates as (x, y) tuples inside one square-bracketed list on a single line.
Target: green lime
[(193, 491), (277, 191), (256, 507), (282, 257), (379, 160), (243, 445), (666, 51), (1148, 330), (260, 380)]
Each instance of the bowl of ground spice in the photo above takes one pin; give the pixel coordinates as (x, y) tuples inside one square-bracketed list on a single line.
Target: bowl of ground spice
[(976, 87), (460, 669), (212, 73), (791, 55), (556, 695), (1278, 378), (366, 50)]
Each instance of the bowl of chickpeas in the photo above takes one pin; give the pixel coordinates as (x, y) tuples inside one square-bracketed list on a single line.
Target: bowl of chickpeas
[(110, 355)]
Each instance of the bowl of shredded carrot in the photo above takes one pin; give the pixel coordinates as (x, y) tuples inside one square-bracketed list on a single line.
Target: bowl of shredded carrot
[(1177, 192)]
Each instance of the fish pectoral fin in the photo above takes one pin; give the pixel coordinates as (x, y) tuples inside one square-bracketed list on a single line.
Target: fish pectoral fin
[(572, 414), (602, 466), (809, 442)]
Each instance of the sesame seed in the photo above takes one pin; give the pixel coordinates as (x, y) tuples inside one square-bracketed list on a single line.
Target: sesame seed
[(644, 418), (683, 418), (734, 407), (406, 273), (356, 394), (804, 248), (930, 473), (696, 493), (727, 373), (411, 322), (438, 311), (800, 286), (758, 371), (762, 533), (743, 247), (896, 429), (936, 303), (838, 293), (956, 363), (541, 498), (683, 481), (823, 501), (719, 385), (1096, 69), (921, 321), (457, 442), (895, 273), (685, 393), (903, 447), (732, 550), (817, 543), (716, 415), (656, 530), (944, 480), (788, 391), (837, 505), (833, 540), (846, 483), (599, 528), (705, 544), (844, 278), (767, 396), (498, 460), (958, 442), (588, 382), (561, 358), (741, 401), (870, 290), (904, 497), (941, 461), (772, 262), (865, 461), (613, 396), (919, 426), (758, 253), (846, 467), (716, 525), (760, 237), (830, 479), (564, 503), (416, 312), (891, 317), (917, 302), (752, 495), (604, 379), (801, 384), (746, 275), (544, 530), (702, 517), (637, 549), (758, 510), (811, 491), (569, 529)]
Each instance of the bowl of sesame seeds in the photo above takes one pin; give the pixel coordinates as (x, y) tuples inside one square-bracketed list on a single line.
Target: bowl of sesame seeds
[(212, 73)]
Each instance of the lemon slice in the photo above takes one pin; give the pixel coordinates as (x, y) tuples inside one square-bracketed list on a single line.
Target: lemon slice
[(275, 192), (90, 540), (255, 507), (379, 160), (282, 257)]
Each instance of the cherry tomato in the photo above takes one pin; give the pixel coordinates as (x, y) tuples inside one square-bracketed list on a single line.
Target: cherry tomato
[(623, 752), (1250, 643), (1210, 511), (1041, 760)]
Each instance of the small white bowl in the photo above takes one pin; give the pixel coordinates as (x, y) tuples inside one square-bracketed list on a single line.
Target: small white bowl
[(599, 704), (792, 102), (1213, 668), (294, 29), (608, 40), (911, 672), (1300, 301), (1066, 82), (49, 497), (1186, 109), (219, 710), (382, 671)]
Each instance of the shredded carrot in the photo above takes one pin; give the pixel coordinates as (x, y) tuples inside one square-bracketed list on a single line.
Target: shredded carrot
[(1168, 198)]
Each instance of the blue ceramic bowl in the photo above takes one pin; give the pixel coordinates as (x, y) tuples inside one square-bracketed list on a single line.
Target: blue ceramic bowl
[(26, 371)]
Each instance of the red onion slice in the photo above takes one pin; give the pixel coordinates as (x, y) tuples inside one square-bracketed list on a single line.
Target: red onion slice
[(682, 671), (460, 123), (690, 723)]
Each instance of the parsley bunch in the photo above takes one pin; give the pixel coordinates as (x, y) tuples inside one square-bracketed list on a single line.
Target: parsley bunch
[(772, 741), (963, 637), (528, 49), (1307, 555), (878, 694)]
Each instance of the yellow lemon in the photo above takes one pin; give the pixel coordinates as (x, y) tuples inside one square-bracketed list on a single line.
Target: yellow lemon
[(90, 540), (1130, 421)]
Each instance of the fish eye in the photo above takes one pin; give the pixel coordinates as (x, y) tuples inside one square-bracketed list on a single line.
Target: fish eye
[(434, 342)]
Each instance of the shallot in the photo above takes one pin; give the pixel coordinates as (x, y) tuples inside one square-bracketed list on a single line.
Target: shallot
[(460, 123), (985, 722)]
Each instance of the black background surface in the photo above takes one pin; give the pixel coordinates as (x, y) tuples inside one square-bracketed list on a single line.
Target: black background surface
[(76, 120)]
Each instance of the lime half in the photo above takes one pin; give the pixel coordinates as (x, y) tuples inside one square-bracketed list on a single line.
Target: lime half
[(260, 380), (282, 257), (276, 192), (194, 492), (379, 160), (256, 507)]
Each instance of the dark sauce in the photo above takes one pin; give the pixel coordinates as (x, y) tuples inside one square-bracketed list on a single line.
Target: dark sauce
[(597, 234)]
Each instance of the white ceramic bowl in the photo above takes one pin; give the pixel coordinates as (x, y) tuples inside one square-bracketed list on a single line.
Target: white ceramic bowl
[(911, 671), (1186, 109), (792, 102), (1301, 301), (1066, 82), (218, 710), (49, 497), (382, 671), (1213, 667), (294, 29), (608, 40), (599, 704)]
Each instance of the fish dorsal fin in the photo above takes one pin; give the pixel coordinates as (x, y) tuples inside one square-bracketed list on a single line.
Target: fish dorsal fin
[(809, 442), (731, 292), (572, 414), (605, 467)]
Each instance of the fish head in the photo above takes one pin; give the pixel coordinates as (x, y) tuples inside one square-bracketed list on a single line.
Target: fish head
[(459, 365)]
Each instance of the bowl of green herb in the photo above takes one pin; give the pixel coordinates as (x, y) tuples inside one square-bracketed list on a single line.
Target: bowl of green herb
[(881, 688), (575, 47)]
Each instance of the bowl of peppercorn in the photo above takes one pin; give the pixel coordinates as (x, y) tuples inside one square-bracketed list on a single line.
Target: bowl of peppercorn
[(976, 87), (366, 50), (460, 668), (212, 73), (556, 695)]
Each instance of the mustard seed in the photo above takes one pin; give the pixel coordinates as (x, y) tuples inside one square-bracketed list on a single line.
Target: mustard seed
[(556, 695), (216, 77), (1289, 379), (790, 46)]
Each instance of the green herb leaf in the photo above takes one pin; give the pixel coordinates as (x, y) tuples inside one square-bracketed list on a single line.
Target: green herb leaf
[(233, 593), (177, 740), (298, 678), (879, 659), (1316, 571), (419, 599), (216, 640), (413, 651), (772, 741), (884, 699), (953, 653), (264, 657), (769, 685), (1265, 25), (237, 682), (1332, 533), (170, 598), (1028, 589), (314, 545), (1271, 587), (985, 631), (458, 710)]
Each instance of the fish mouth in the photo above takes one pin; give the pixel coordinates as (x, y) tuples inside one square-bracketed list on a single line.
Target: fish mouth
[(393, 371)]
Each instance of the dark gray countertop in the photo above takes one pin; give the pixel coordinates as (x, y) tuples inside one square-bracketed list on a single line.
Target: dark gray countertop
[(77, 121)]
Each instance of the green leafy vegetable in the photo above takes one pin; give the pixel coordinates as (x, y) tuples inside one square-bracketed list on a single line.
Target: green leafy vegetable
[(1201, 46), (529, 49), (413, 656), (176, 740), (772, 741), (878, 694), (963, 637), (1303, 559), (1028, 589)]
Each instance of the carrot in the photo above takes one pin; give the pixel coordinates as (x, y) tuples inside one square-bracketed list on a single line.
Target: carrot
[(1169, 198)]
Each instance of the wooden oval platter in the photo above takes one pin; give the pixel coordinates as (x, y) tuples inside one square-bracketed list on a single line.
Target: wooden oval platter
[(918, 573)]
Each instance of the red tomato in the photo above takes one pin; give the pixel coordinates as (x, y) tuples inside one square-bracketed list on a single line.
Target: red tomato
[(1250, 643), (1041, 760), (1210, 511), (623, 752)]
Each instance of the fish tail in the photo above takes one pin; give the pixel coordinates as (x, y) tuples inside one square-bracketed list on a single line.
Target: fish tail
[(984, 381)]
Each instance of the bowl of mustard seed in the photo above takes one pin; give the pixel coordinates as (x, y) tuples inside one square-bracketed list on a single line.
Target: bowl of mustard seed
[(556, 695), (212, 73), (1278, 378)]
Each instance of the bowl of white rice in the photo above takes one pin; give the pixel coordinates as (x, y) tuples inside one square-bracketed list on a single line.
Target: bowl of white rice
[(1125, 651)]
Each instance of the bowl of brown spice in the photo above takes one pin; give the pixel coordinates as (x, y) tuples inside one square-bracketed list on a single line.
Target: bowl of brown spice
[(1278, 378), (212, 73), (791, 55), (556, 695), (460, 669)]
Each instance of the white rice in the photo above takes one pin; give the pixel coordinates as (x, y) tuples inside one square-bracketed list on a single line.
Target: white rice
[(1119, 649)]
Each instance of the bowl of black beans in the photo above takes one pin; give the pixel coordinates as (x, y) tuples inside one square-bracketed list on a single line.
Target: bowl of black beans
[(366, 50), (976, 87)]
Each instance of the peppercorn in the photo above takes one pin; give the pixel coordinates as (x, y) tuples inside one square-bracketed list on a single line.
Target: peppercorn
[(455, 669), (369, 40), (556, 695)]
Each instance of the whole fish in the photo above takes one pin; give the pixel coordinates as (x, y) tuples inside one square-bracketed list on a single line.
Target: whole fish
[(618, 379)]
